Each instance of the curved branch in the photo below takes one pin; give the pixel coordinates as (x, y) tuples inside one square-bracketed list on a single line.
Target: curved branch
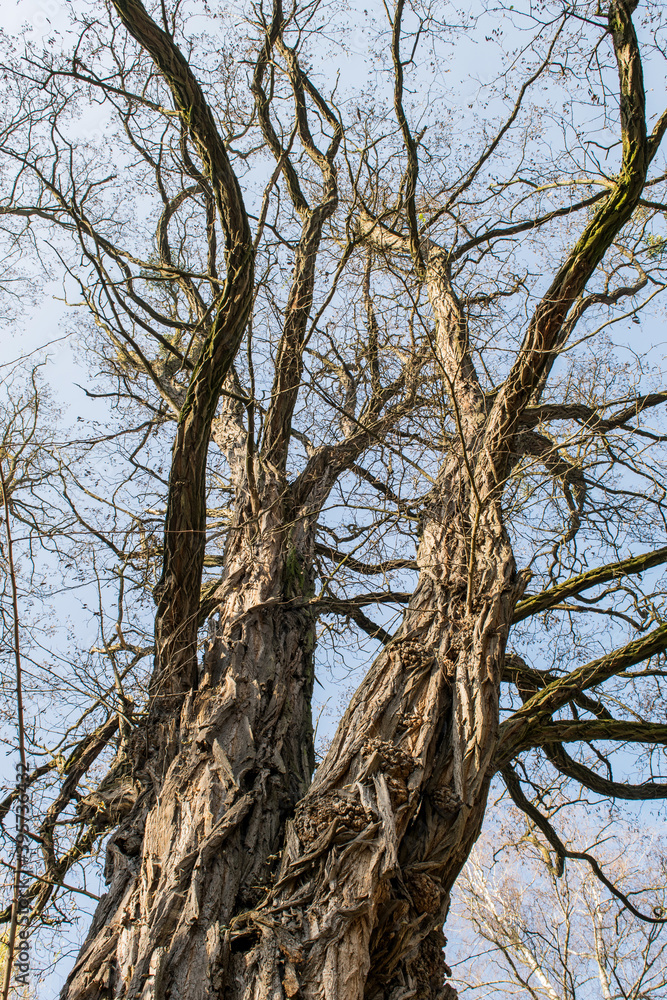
[(177, 593), (528, 680), (614, 730), (562, 853), (584, 581), (191, 103), (363, 622), (571, 768), (524, 726), (545, 334), (534, 415), (370, 569)]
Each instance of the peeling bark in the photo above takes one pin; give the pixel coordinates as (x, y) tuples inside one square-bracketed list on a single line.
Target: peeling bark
[(381, 835), (209, 895), (234, 873), (202, 843)]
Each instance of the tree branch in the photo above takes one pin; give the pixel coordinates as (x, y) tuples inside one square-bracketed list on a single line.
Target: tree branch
[(524, 726), (595, 782), (185, 524), (543, 339), (562, 853), (584, 581), (370, 569)]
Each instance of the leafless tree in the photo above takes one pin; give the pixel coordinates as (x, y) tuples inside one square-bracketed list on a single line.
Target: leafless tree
[(567, 937), (341, 332)]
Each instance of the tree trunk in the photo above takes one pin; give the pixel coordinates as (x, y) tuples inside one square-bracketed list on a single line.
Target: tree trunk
[(235, 876), (395, 808), (201, 843)]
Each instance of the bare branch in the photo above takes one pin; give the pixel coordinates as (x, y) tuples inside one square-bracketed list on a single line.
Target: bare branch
[(585, 581)]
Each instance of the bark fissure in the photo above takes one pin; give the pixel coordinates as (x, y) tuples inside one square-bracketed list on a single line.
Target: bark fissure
[(201, 845)]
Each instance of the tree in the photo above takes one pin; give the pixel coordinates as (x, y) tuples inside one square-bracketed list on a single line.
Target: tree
[(311, 301), (567, 938)]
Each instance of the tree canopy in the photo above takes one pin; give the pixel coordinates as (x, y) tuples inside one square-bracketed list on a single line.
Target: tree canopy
[(365, 301)]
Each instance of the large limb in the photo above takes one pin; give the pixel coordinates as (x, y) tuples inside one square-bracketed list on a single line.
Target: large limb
[(397, 803), (409, 183), (562, 852), (585, 581), (571, 768), (289, 359), (450, 347), (193, 107), (174, 764), (591, 417), (544, 337), (550, 735), (185, 523), (525, 725)]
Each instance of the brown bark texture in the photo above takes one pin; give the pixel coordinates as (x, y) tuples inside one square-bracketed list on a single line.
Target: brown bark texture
[(235, 869)]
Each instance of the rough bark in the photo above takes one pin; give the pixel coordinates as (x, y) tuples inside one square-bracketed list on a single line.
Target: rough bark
[(381, 835), (185, 523), (201, 844), (232, 874), (208, 897)]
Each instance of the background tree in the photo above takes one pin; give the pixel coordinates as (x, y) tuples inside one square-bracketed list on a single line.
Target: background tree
[(567, 937), (343, 331)]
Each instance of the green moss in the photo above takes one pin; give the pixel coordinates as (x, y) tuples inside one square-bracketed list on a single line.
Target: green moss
[(297, 581)]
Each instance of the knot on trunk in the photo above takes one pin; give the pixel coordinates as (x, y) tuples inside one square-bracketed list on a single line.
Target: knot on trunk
[(413, 656), (115, 796), (395, 763), (418, 975), (428, 969), (333, 812), (426, 892), (446, 801)]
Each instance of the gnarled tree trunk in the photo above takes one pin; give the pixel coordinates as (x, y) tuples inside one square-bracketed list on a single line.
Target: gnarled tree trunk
[(201, 843), (381, 835), (232, 875)]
